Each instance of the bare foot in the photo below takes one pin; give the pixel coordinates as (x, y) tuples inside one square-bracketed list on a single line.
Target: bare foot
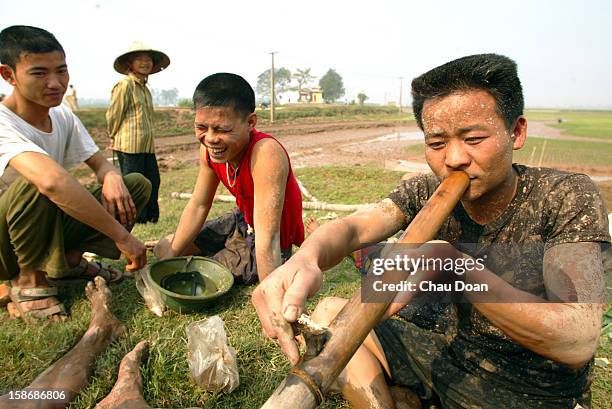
[(311, 225), (127, 392), (71, 372), (103, 321)]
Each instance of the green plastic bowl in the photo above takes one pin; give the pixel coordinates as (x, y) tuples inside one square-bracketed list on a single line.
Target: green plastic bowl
[(217, 279)]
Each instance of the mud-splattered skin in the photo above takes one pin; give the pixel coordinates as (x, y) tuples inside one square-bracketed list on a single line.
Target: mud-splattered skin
[(475, 354), (71, 372), (527, 221), (552, 214), (464, 132)]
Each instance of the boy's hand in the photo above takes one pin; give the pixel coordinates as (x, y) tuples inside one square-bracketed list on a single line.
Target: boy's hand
[(135, 252), (116, 197), (280, 299)]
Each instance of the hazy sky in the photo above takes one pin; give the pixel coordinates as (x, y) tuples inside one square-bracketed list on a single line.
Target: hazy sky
[(563, 48)]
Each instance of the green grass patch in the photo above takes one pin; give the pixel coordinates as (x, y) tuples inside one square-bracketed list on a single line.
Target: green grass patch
[(556, 152), (28, 349), (349, 185), (561, 152), (166, 122), (593, 124), (338, 112), (602, 381)]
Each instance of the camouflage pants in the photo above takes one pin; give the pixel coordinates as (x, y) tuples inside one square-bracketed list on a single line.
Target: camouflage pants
[(228, 240)]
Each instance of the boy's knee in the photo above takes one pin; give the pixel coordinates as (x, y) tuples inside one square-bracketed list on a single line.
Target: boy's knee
[(327, 309), (162, 248), (139, 187), (23, 197)]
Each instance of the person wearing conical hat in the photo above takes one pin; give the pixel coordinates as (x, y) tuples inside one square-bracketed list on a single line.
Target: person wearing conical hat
[(130, 119)]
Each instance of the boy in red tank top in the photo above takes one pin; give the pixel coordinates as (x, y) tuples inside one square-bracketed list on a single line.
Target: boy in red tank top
[(256, 237)]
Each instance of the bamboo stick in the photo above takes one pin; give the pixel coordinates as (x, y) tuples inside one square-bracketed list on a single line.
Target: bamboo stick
[(355, 321), (305, 205), (305, 191)]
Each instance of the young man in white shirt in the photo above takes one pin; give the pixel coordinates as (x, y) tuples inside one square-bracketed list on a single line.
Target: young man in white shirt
[(47, 218)]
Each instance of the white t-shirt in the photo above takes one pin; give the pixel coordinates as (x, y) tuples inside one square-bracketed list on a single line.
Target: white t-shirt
[(68, 143)]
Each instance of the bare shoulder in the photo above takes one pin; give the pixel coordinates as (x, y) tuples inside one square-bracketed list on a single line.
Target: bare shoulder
[(268, 146), (268, 154)]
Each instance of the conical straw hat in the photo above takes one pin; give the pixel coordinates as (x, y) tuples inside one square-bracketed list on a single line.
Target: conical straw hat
[(160, 60)]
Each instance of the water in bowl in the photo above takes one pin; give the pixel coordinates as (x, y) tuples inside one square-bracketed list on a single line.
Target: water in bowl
[(190, 283)]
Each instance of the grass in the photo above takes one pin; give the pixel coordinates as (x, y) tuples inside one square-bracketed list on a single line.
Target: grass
[(593, 124), (335, 112), (556, 153), (28, 349), (602, 382), (166, 122), (349, 185)]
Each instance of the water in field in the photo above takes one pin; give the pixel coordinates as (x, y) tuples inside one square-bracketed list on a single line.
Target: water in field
[(416, 136)]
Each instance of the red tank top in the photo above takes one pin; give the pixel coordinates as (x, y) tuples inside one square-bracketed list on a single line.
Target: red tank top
[(291, 226)]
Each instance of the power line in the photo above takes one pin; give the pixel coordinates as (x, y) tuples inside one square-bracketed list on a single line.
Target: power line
[(272, 96)]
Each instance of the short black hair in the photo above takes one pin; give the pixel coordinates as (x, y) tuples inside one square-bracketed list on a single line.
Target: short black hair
[(225, 90), (496, 74), (18, 40)]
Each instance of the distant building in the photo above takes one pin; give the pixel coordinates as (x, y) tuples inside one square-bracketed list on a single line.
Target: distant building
[(313, 95)]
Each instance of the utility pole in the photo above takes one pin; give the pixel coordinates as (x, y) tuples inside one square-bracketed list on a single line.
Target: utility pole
[(400, 95), (272, 96)]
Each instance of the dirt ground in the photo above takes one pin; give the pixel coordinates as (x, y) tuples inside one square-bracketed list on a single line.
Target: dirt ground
[(343, 143)]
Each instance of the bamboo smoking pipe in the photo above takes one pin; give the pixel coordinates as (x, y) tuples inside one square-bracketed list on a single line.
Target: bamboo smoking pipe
[(307, 383)]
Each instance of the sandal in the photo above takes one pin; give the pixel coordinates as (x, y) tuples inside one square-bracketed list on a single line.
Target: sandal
[(19, 295), (79, 274)]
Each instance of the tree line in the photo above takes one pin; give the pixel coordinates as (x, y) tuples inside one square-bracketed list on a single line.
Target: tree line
[(331, 83)]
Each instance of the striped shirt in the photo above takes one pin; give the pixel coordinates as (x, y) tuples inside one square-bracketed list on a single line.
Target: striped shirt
[(130, 116)]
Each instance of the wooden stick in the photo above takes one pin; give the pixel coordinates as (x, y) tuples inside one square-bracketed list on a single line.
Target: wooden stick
[(355, 321), (305, 205), (305, 191)]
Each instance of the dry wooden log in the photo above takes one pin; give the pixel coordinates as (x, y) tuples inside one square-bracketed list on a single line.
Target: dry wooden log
[(305, 191), (300, 388), (334, 206), (305, 205), (150, 245), (314, 335)]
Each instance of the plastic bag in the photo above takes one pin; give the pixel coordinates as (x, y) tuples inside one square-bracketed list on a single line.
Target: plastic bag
[(212, 362), (149, 293)]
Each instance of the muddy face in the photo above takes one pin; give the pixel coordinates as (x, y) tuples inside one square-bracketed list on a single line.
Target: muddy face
[(463, 131)]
